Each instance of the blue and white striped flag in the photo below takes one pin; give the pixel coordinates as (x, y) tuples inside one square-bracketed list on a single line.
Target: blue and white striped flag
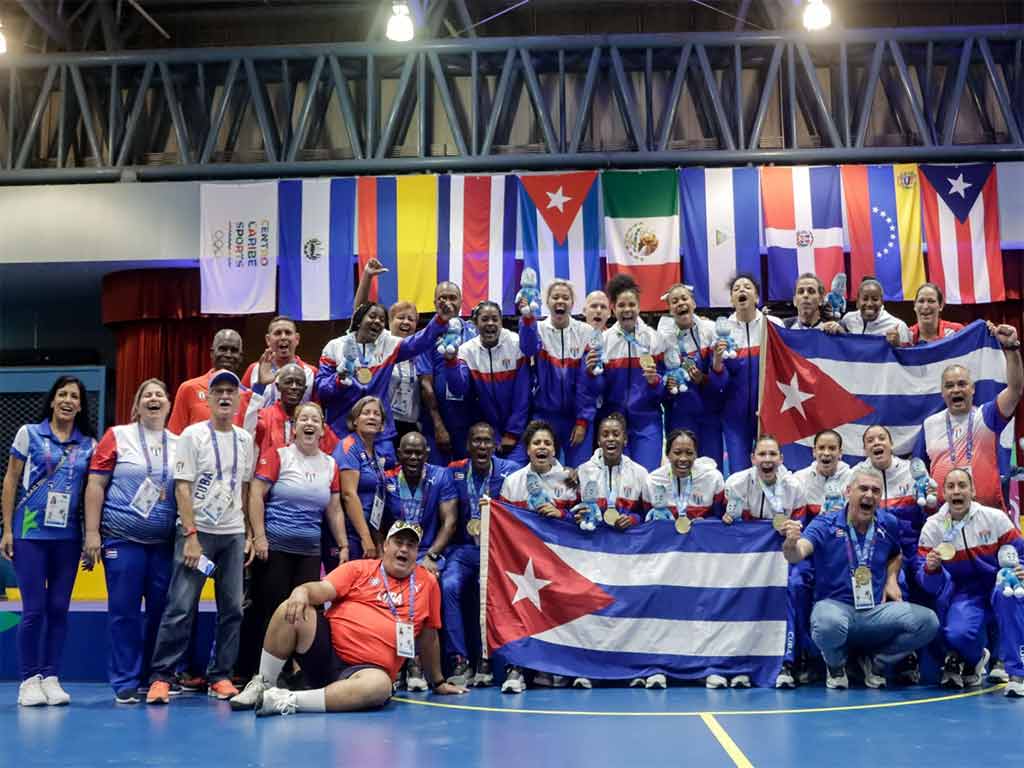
[(720, 223), (317, 248), (624, 604)]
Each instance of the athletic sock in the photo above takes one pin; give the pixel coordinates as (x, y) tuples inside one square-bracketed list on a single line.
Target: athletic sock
[(270, 667), (311, 701)]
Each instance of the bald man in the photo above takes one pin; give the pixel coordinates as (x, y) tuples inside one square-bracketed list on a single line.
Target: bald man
[(190, 406)]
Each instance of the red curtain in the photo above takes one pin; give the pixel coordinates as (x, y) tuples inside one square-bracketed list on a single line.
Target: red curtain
[(160, 331)]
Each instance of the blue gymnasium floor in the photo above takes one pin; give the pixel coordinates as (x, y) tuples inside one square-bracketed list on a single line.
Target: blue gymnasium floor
[(680, 726)]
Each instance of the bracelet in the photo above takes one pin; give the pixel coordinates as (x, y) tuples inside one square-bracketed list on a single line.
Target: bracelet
[(190, 532)]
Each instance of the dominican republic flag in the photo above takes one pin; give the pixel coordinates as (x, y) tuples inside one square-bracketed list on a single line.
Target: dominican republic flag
[(561, 226), (720, 228), (316, 248), (813, 381), (803, 225), (961, 222), (883, 218), (641, 230), (477, 238), (623, 604)]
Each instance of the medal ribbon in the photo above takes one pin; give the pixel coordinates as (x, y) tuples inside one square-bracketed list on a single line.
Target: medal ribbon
[(632, 339), (474, 497), (682, 494), (412, 502), (865, 551), (412, 595), (969, 448), (951, 528), (773, 498), (216, 455), (149, 461)]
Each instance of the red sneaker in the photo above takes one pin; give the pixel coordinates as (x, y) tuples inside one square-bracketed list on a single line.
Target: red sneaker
[(222, 689), (192, 683)]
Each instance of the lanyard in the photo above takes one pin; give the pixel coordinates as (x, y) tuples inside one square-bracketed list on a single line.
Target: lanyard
[(149, 461), (412, 501), (951, 528), (632, 339), (865, 551), (412, 595), (611, 493), (375, 468), (474, 497), (682, 494), (216, 455), (364, 361), (773, 498), (969, 448), (67, 457)]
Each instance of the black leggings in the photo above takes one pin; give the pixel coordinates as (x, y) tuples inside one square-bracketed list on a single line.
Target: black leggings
[(271, 582)]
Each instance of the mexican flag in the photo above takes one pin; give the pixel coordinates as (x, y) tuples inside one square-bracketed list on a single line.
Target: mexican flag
[(641, 229)]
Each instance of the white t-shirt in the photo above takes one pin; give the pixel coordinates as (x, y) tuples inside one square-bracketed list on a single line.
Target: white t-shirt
[(196, 462)]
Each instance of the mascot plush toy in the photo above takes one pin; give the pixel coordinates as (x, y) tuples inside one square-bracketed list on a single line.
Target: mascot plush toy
[(597, 344), (1007, 576), (836, 298), (349, 356), (449, 343), (659, 504), (676, 375), (590, 518), (723, 331), (529, 292), (924, 486)]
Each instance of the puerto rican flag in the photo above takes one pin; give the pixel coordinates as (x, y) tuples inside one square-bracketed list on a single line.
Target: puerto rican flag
[(961, 222), (561, 229), (848, 382), (803, 225), (477, 235), (623, 604)]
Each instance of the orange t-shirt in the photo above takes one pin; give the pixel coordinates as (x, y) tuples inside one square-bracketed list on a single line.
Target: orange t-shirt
[(191, 407), (362, 625)]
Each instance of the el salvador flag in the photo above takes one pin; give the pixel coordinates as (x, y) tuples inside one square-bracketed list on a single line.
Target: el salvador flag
[(720, 223), (317, 248)]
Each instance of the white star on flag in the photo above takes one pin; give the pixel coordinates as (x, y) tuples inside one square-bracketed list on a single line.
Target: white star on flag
[(557, 200), (958, 186), (528, 586), (794, 397)]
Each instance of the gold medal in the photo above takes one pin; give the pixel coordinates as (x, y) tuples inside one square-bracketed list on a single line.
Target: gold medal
[(646, 361), (946, 550), (363, 375), (683, 524), (611, 515), (862, 575), (473, 526), (779, 523)]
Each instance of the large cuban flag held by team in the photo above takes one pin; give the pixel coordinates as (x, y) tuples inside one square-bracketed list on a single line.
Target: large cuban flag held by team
[(848, 382), (624, 604)]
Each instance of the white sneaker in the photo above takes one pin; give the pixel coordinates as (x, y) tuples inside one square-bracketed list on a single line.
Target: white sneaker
[(483, 677), (559, 681), (656, 681), (582, 682), (276, 701), (716, 681), (740, 681), (973, 678), (836, 678), (1015, 687), (871, 678), (414, 679), (55, 695), (637, 682), (785, 678), (514, 681), (547, 680), (998, 673), (30, 693), (952, 672), (250, 694)]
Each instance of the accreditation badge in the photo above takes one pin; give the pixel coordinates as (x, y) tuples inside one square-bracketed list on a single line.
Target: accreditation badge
[(145, 498), (405, 639), (58, 507)]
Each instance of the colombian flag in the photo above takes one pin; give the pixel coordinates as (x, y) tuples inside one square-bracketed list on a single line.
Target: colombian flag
[(883, 218), (398, 226)]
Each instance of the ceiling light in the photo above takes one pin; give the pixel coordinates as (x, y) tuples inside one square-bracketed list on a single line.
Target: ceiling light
[(400, 27), (817, 15), (3, 40)]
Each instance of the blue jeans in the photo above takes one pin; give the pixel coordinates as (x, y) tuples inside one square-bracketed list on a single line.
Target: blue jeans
[(887, 632), (227, 551)]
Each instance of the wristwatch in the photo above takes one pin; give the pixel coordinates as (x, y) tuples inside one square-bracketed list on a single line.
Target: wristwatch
[(1012, 345), (437, 559)]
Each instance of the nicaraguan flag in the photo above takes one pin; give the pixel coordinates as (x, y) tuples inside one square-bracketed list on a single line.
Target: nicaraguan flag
[(849, 382), (316, 255), (720, 227), (623, 604), (561, 226)]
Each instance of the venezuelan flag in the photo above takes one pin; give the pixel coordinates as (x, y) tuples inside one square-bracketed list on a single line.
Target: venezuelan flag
[(883, 218), (398, 226)]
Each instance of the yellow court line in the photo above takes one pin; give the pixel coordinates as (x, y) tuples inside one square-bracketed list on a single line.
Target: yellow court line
[(719, 713), (730, 747)]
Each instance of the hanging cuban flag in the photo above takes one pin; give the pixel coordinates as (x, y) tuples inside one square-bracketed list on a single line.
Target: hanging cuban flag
[(477, 228), (720, 230), (561, 229), (883, 218), (316, 248), (803, 225), (398, 226), (961, 221), (641, 230), (616, 605)]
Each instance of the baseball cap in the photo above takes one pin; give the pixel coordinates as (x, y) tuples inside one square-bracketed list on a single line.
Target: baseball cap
[(401, 525), (224, 375)]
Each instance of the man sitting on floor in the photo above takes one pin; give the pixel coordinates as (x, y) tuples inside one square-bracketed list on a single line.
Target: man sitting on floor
[(352, 653)]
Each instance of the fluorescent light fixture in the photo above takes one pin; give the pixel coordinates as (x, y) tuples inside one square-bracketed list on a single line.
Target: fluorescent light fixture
[(3, 40), (400, 27), (817, 15)]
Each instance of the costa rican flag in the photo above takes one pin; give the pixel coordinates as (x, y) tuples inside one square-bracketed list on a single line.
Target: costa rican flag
[(477, 233), (561, 229), (623, 604), (961, 222), (317, 248), (803, 225)]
